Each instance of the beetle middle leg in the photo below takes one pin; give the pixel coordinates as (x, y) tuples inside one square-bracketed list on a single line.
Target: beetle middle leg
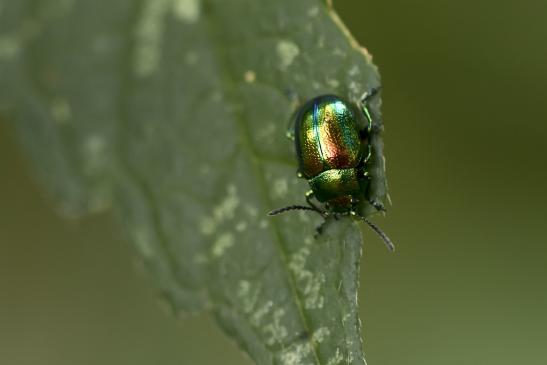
[(364, 105), (366, 132), (319, 229)]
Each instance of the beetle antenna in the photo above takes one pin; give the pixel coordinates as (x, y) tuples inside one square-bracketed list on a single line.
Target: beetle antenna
[(380, 233), (293, 207)]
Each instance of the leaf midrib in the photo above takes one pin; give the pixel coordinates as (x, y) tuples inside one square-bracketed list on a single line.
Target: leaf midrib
[(230, 86)]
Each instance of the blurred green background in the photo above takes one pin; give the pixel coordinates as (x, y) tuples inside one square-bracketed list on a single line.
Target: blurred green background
[(466, 131)]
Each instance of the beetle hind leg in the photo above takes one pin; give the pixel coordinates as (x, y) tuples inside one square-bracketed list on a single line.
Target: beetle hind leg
[(320, 228)]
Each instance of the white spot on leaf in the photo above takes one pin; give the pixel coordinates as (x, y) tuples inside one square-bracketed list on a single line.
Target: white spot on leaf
[(187, 10), (223, 212), (313, 12), (244, 288), (248, 295), (287, 52), (320, 335), (336, 359), (150, 28), (226, 209), (257, 316), (9, 48), (275, 331), (207, 226), (295, 354), (221, 244), (308, 283), (354, 71), (241, 226), (94, 152), (149, 33), (249, 76), (355, 88), (280, 187), (333, 83)]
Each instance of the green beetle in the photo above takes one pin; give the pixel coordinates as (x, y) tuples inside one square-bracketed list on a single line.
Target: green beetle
[(332, 142)]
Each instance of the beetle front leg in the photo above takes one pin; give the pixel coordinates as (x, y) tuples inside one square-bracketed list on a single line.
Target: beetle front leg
[(309, 196), (379, 206)]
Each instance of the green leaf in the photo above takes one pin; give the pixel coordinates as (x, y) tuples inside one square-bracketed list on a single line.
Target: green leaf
[(174, 113)]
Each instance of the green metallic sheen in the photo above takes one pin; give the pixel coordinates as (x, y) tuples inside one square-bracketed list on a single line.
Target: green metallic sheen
[(331, 145), (335, 183), (332, 139), (327, 136)]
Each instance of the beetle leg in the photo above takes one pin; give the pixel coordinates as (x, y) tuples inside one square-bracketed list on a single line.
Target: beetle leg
[(309, 197), (369, 154), (379, 206), (364, 104), (362, 173), (376, 204), (319, 229)]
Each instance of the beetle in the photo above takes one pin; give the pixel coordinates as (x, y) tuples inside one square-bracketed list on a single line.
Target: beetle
[(332, 140)]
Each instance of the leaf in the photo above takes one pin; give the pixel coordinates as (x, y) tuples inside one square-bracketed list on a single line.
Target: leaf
[(174, 113)]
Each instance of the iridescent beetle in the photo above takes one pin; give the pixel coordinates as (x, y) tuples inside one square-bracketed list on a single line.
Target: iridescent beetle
[(332, 141)]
